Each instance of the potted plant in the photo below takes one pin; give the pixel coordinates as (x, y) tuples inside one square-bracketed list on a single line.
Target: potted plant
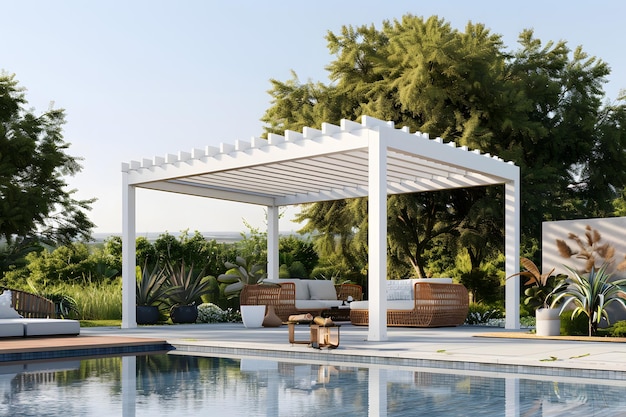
[(591, 294), (189, 286), (542, 289), (152, 291), (239, 274)]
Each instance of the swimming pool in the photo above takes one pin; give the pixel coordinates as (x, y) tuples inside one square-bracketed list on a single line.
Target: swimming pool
[(172, 384)]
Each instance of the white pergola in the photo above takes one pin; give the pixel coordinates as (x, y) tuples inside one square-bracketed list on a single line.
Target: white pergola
[(369, 159)]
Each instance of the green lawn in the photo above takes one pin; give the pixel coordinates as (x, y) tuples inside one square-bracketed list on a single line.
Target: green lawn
[(100, 323)]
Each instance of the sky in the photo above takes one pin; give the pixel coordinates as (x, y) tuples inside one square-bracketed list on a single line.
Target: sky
[(147, 78)]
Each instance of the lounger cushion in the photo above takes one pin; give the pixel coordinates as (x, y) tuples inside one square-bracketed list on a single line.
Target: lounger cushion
[(50, 327), (322, 290), (11, 328)]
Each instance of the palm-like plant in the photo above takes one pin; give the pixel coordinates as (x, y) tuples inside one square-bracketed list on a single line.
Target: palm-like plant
[(152, 288), (189, 285), (591, 294)]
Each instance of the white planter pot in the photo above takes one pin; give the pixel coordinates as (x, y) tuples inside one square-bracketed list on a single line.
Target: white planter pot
[(252, 316), (548, 321)]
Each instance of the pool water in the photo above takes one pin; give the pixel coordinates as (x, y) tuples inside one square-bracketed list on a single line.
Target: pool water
[(181, 385)]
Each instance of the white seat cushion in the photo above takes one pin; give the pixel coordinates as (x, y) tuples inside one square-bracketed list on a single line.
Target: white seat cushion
[(316, 304), (391, 305)]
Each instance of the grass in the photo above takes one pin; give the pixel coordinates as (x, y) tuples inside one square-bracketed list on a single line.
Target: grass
[(95, 301), (100, 323)]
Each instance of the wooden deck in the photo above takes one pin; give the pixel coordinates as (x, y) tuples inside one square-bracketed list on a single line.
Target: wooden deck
[(16, 349)]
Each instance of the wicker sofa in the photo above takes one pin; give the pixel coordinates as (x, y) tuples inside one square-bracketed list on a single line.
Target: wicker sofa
[(434, 302), (298, 296)]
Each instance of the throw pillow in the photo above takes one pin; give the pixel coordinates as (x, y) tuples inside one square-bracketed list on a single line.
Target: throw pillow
[(5, 298), (8, 313)]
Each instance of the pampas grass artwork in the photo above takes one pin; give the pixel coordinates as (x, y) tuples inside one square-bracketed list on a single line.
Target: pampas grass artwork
[(590, 249)]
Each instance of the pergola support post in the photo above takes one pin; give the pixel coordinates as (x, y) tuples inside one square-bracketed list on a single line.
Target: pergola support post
[(511, 252), (377, 239), (129, 279), (272, 242)]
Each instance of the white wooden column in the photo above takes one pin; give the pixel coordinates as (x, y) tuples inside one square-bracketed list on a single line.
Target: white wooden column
[(377, 239), (129, 278), (511, 252), (272, 242)]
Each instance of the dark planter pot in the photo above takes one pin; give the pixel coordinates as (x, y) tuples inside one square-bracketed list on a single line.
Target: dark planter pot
[(184, 314), (147, 314)]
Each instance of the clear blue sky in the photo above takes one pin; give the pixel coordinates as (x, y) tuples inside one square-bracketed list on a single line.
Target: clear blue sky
[(145, 78)]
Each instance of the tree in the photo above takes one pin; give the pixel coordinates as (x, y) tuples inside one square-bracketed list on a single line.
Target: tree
[(34, 202), (539, 106)]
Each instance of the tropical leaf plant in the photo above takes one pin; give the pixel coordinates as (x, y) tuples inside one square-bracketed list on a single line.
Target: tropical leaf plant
[(541, 287), (591, 293), (239, 274)]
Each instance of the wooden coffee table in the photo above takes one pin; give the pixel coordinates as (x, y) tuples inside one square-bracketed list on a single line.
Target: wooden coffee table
[(341, 313)]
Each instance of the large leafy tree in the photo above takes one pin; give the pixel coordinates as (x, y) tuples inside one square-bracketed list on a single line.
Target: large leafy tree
[(35, 204), (539, 106)]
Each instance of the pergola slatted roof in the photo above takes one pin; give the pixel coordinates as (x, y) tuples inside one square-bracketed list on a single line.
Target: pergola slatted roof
[(368, 159), (336, 166)]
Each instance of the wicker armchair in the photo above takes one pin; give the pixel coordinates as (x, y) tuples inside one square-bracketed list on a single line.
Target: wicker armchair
[(435, 305), (349, 290), (282, 297)]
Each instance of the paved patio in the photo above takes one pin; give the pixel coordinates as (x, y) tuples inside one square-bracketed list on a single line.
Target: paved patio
[(467, 347)]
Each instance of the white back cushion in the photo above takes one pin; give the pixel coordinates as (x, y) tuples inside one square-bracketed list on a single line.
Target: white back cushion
[(400, 289), (322, 289), (302, 290)]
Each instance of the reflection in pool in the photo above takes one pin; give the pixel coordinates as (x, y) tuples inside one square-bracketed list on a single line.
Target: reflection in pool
[(167, 384)]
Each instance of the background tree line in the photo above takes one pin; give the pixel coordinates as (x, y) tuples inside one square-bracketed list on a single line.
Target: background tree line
[(540, 106)]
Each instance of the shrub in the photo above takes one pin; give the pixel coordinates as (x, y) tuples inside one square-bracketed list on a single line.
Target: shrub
[(574, 326), (482, 314), (618, 329), (483, 286), (210, 313)]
